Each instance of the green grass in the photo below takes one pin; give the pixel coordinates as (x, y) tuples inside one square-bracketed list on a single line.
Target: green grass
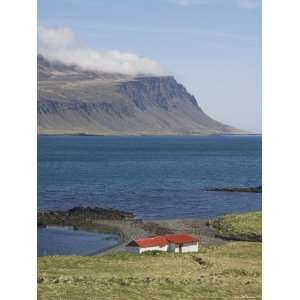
[(243, 227), (229, 271)]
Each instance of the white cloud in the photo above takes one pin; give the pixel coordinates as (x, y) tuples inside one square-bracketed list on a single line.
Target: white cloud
[(60, 44)]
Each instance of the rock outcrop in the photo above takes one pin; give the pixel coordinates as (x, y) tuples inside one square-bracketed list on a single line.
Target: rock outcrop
[(256, 189)]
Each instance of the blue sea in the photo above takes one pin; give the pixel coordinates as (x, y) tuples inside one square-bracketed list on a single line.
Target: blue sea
[(153, 177)]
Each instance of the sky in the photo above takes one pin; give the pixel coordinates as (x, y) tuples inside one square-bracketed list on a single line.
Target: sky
[(212, 47)]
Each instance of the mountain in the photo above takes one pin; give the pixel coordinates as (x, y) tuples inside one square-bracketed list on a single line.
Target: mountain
[(76, 101)]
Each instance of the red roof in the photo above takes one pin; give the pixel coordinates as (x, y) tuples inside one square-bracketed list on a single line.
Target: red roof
[(180, 238), (149, 242), (163, 240)]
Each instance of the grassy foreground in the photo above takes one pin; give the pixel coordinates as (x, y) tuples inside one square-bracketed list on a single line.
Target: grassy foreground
[(242, 227), (230, 271)]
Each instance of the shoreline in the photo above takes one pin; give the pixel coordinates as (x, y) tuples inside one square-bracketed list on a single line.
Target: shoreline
[(146, 135), (126, 231), (126, 227)]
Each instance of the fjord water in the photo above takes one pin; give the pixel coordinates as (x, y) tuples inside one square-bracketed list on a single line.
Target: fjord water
[(153, 177)]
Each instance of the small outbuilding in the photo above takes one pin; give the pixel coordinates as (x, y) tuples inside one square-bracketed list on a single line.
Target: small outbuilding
[(178, 243)]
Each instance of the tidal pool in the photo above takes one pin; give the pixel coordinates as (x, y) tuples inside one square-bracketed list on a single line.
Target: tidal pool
[(67, 241)]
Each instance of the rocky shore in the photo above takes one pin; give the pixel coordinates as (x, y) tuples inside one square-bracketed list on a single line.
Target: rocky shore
[(125, 225), (85, 218)]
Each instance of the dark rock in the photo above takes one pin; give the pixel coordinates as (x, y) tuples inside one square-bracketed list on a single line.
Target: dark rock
[(257, 189), (86, 218), (41, 225), (99, 213)]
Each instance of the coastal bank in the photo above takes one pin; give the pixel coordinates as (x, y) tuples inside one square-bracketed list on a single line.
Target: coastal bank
[(127, 227)]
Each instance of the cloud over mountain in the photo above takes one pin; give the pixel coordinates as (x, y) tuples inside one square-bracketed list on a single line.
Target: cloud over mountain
[(61, 44)]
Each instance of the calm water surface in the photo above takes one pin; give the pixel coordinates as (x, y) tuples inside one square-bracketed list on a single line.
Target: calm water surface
[(63, 241), (154, 177)]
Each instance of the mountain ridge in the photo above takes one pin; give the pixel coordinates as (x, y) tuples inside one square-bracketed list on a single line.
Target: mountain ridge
[(76, 101)]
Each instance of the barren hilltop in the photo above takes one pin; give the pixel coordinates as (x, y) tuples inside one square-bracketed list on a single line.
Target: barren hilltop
[(76, 101)]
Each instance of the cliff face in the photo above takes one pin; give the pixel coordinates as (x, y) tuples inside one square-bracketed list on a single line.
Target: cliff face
[(72, 101)]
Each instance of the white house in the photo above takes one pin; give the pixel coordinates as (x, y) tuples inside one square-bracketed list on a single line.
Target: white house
[(178, 243), (181, 243)]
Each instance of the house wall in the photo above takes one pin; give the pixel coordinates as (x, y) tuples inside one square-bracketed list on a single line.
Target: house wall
[(141, 250), (173, 248), (158, 248), (133, 249), (190, 247)]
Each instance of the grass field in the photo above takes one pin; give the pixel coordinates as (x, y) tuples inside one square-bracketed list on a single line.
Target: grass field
[(242, 227), (229, 271)]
